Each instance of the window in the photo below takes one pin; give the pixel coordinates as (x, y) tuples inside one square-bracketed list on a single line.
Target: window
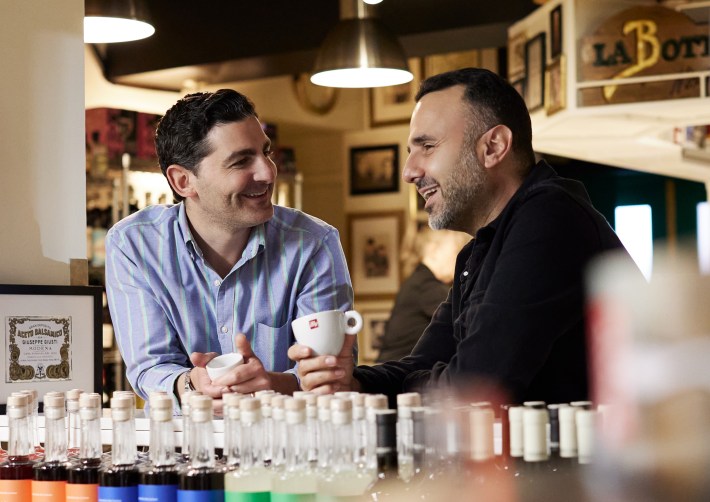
[(633, 226)]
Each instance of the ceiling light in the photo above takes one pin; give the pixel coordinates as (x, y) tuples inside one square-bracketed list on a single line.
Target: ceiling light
[(107, 21), (360, 52)]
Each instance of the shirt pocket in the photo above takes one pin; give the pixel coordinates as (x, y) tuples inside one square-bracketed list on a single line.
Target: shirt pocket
[(270, 344)]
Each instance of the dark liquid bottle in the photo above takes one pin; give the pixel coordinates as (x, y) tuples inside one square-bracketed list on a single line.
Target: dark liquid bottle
[(159, 478), (50, 477), (201, 482), (387, 485), (83, 475), (16, 471), (119, 480)]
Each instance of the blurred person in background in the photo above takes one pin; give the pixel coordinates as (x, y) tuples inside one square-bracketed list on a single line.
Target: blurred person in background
[(428, 261)]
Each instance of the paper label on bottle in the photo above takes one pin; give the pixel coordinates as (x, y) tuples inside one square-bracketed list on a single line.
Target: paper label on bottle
[(157, 493), (44, 491), (118, 493), (13, 490), (82, 493)]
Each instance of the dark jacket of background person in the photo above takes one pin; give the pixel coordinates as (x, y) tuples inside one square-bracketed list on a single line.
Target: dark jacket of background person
[(515, 313), (418, 297)]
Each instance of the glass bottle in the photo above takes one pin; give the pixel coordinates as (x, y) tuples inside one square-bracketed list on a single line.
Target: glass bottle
[(50, 476), (568, 434), (267, 426), (405, 403), (587, 421), (73, 422), (118, 481), (16, 471), (359, 428), (297, 481), (186, 424), (373, 402), (158, 479), (252, 481), (83, 475), (279, 436), (325, 433), (515, 421), (232, 430), (201, 482), (387, 484)]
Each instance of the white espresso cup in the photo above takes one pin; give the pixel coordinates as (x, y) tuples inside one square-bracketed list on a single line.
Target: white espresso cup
[(324, 332), (223, 364)]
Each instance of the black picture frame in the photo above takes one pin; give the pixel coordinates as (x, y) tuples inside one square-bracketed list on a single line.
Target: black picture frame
[(535, 64), (556, 32), (374, 169), (78, 310)]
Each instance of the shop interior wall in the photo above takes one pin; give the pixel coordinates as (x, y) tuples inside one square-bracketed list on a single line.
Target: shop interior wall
[(43, 205)]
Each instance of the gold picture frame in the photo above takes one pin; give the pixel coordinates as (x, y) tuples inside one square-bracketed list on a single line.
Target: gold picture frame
[(556, 86)]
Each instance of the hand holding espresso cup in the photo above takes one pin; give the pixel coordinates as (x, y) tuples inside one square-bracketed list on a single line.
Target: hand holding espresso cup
[(324, 332)]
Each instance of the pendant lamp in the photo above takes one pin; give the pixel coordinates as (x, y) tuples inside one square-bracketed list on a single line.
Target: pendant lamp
[(107, 21), (360, 52)]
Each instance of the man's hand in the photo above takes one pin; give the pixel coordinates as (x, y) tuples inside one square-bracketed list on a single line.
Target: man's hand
[(245, 378), (326, 374)]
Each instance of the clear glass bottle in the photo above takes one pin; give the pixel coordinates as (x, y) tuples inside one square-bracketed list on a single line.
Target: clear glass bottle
[(297, 481), (279, 438), (388, 485), (252, 481), (186, 425), (201, 481), (232, 430), (158, 479), (118, 481), (83, 475), (73, 422), (324, 438), (267, 426), (405, 433), (16, 471), (50, 476), (373, 402)]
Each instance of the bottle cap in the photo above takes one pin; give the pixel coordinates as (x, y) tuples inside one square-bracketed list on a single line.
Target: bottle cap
[(409, 399), (534, 404), (295, 404), (17, 406), (232, 399), (249, 404), (54, 401), (376, 401), (324, 401), (74, 394)]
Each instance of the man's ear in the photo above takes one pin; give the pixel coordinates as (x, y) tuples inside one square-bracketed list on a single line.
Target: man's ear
[(180, 180), (496, 143)]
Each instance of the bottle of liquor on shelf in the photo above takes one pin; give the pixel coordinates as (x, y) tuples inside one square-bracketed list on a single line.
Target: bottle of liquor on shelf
[(16, 471), (118, 481), (252, 481), (342, 477), (232, 430), (388, 484), (73, 422), (405, 403), (201, 482), (158, 480), (297, 481), (50, 476), (83, 474)]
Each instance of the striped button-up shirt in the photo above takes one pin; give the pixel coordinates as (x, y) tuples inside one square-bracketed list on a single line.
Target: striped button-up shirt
[(166, 301)]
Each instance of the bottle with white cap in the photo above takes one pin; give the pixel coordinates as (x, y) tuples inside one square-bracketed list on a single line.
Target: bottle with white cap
[(373, 402), (587, 421), (232, 429), (252, 481), (159, 477), (73, 421), (535, 449), (16, 471), (50, 476), (568, 434), (186, 424), (118, 481), (297, 481), (279, 437), (267, 424), (324, 438), (201, 482), (515, 421), (405, 402), (481, 448), (311, 424), (83, 475)]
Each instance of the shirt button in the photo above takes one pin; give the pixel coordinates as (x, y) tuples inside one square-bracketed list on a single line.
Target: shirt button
[(465, 273), (224, 329), (217, 282)]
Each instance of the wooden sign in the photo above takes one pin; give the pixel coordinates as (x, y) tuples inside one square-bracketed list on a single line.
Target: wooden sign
[(639, 42)]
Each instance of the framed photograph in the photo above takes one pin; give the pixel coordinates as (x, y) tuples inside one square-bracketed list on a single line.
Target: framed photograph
[(440, 63), (516, 56), (394, 104), (535, 67), (374, 252), (556, 32), (374, 324), (519, 86), (374, 169), (51, 339), (556, 86)]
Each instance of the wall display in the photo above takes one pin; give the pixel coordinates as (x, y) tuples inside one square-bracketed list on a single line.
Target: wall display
[(556, 86), (535, 67), (51, 339), (516, 56), (374, 169), (374, 252), (373, 329), (314, 98), (556, 32), (440, 63), (519, 85), (394, 104)]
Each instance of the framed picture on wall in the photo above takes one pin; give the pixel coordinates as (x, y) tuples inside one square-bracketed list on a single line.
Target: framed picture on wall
[(516, 56), (556, 86), (535, 67), (440, 63), (556, 32), (394, 104), (374, 324), (51, 339), (374, 252), (374, 169)]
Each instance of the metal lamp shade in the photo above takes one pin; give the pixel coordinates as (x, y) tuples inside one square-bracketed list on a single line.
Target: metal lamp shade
[(108, 21), (360, 53)]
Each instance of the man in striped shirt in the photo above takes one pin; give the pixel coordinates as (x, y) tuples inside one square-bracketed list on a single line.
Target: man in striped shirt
[(223, 269)]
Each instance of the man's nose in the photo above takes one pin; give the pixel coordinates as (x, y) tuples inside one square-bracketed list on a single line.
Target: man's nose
[(265, 170), (411, 173)]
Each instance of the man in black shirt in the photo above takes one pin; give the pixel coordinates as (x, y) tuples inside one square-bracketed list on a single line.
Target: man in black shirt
[(515, 313)]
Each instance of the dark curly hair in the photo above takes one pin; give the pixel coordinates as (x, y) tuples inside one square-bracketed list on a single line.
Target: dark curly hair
[(180, 137)]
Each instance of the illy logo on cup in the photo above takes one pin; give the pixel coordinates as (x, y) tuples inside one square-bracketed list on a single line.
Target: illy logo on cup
[(313, 324)]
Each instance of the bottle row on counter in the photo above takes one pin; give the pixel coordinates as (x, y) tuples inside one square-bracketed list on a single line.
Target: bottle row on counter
[(347, 446)]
